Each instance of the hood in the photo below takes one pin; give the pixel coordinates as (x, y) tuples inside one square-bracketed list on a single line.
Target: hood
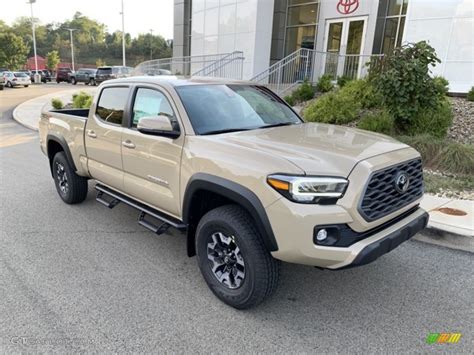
[(316, 148)]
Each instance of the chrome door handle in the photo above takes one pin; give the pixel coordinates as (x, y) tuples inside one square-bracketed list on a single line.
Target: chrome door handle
[(91, 134), (128, 144)]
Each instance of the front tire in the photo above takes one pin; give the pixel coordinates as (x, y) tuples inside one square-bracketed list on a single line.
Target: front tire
[(73, 81), (71, 187), (233, 259)]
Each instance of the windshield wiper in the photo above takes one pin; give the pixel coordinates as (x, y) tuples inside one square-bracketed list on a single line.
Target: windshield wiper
[(278, 124), (227, 130)]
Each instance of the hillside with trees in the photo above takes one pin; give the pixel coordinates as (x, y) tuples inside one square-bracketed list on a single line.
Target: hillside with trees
[(92, 43)]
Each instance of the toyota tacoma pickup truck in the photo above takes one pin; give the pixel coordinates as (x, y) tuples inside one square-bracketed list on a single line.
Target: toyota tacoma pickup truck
[(249, 183)]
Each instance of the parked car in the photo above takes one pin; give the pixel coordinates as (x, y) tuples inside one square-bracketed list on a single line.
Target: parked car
[(153, 72), (46, 76), (106, 73), (236, 168), (84, 75), (41, 73), (2, 81), (16, 79), (62, 74)]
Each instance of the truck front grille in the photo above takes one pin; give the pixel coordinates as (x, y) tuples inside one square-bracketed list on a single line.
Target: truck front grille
[(381, 196)]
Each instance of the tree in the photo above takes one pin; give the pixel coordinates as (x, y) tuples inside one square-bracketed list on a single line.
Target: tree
[(99, 62), (13, 51), (53, 59)]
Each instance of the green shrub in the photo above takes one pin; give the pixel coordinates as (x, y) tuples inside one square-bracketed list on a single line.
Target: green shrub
[(81, 100), (304, 92), (442, 154), (441, 85), (364, 92), (290, 100), (325, 83), (470, 94), (343, 80), (332, 108), (434, 121), (57, 104), (404, 82), (381, 122)]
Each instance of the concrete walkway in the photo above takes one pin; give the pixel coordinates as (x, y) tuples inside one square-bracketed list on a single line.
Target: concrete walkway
[(29, 112), (451, 221)]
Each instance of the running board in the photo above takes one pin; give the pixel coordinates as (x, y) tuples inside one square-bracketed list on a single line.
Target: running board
[(116, 197)]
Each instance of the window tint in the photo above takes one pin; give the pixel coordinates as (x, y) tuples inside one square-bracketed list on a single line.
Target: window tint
[(112, 104), (104, 70), (150, 102)]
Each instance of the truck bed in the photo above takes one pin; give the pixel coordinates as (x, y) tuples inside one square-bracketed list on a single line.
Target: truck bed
[(80, 112)]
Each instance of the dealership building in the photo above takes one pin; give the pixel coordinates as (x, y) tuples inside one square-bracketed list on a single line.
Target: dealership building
[(273, 32)]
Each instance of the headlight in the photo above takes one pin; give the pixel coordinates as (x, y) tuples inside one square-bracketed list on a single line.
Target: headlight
[(304, 189)]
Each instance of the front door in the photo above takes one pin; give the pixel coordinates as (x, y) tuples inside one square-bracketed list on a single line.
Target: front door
[(344, 46), (151, 163)]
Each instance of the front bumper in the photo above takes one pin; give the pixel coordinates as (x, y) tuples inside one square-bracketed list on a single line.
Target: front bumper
[(294, 235), (382, 246)]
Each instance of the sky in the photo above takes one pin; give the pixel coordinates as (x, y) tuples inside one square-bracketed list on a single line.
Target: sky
[(140, 15)]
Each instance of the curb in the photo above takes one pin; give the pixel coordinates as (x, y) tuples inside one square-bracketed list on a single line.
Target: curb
[(18, 120), (435, 236)]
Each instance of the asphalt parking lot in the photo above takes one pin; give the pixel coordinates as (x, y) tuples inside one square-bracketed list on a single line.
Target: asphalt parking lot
[(86, 278)]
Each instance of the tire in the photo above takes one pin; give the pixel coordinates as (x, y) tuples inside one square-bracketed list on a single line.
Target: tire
[(73, 81), (71, 187), (92, 82), (261, 272), (9, 85), (26, 86)]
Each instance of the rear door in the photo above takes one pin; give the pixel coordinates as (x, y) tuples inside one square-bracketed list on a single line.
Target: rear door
[(152, 163), (103, 136)]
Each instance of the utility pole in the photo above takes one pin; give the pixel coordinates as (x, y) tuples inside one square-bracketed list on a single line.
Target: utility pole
[(37, 77), (151, 44), (72, 46), (123, 36)]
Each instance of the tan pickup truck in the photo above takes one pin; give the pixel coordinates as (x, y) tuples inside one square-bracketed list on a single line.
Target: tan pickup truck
[(234, 167)]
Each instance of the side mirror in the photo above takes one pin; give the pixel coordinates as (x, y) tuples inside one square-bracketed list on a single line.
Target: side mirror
[(158, 126)]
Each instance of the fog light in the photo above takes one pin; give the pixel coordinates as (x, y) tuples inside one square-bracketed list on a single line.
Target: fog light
[(322, 235)]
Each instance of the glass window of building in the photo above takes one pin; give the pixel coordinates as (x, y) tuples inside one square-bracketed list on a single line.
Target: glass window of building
[(301, 25), (390, 25)]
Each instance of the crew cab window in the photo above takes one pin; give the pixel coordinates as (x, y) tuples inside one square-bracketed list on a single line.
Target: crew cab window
[(149, 102), (111, 105)]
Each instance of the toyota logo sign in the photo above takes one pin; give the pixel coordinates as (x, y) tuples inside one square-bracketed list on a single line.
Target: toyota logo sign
[(346, 7)]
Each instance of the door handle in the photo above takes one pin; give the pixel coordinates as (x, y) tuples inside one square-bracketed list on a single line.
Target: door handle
[(91, 134), (128, 144)]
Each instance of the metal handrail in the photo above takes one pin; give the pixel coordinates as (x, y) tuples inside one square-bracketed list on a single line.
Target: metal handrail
[(309, 64), (217, 66), (178, 65)]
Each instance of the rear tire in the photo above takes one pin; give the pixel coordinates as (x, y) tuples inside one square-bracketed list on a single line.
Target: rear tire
[(71, 187), (92, 82), (233, 259)]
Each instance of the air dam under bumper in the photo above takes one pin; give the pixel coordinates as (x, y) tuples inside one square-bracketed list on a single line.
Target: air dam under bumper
[(382, 246)]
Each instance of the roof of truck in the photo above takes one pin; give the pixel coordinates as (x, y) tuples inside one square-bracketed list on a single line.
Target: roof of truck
[(180, 80)]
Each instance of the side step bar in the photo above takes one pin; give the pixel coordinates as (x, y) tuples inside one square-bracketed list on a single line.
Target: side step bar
[(114, 198)]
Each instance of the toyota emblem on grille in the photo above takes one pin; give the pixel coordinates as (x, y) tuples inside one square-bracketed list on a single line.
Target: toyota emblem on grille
[(402, 182)]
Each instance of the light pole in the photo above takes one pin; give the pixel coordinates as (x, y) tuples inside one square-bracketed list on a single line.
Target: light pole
[(151, 44), (72, 46), (36, 77), (123, 35)]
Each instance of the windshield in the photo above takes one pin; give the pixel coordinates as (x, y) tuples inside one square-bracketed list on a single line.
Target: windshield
[(225, 108)]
